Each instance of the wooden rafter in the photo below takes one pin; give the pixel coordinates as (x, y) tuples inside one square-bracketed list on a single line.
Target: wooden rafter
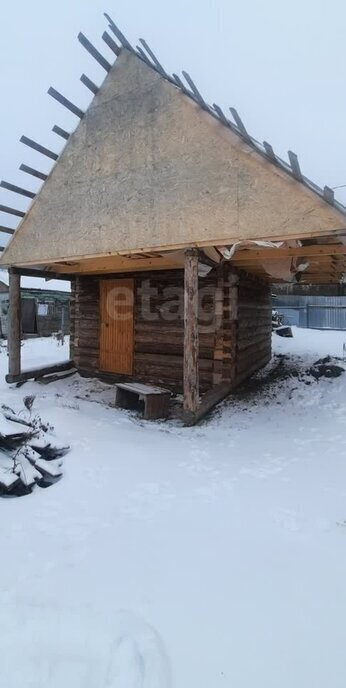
[(244, 255)]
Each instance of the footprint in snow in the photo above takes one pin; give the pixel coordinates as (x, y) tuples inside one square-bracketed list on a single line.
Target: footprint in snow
[(137, 657)]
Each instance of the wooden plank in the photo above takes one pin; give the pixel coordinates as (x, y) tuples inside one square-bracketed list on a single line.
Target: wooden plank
[(37, 147), (7, 230), (89, 84), (181, 85), (220, 113), (270, 151), (140, 388), (14, 325), (240, 125), (111, 44), (35, 373), (156, 62), (313, 261), (61, 132), (293, 158), (282, 253), (195, 90), (120, 36), (33, 172), (191, 344), (116, 322), (94, 52), (143, 55), (47, 274), (65, 102), (11, 211), (328, 195), (17, 189), (116, 263)]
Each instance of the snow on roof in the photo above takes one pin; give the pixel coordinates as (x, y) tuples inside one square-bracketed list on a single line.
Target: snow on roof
[(38, 283)]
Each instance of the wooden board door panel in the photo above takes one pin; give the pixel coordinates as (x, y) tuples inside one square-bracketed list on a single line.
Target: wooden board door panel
[(116, 326)]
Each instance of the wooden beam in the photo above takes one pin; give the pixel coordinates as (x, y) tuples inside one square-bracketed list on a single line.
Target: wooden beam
[(328, 195), (270, 151), (294, 162), (89, 84), (94, 52), (11, 211), (120, 36), (17, 189), (111, 44), (65, 102), (243, 255), (33, 172), (36, 373), (191, 345), (240, 124), (110, 264), (61, 132), (255, 262), (14, 325), (195, 90), (181, 85), (47, 274), (156, 62), (37, 147), (144, 56), (221, 115)]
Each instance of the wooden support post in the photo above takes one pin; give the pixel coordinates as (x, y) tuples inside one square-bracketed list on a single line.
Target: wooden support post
[(191, 376), (14, 325)]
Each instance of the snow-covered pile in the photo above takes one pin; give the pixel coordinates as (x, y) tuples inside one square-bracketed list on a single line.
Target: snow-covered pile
[(172, 557), (27, 455)]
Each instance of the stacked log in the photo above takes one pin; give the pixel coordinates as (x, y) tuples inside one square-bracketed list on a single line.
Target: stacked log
[(254, 326), (86, 340)]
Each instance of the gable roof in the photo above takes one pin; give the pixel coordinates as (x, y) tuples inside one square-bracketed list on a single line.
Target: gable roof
[(152, 166)]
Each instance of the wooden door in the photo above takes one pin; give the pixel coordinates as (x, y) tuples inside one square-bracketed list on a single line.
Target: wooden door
[(116, 327)]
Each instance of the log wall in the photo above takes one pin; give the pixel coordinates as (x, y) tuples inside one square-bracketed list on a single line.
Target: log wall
[(234, 327), (86, 309), (159, 333), (254, 326)]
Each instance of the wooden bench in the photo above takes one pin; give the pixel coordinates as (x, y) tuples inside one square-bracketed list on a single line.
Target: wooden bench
[(154, 401)]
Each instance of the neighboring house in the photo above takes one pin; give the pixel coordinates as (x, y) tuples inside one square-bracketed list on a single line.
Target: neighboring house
[(171, 223), (45, 308)]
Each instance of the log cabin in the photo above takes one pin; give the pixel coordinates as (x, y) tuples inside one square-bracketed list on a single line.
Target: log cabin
[(171, 222)]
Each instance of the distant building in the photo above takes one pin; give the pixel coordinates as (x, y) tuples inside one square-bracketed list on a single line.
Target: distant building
[(45, 306)]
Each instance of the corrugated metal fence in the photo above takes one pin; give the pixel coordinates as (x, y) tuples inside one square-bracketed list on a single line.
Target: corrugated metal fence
[(320, 312)]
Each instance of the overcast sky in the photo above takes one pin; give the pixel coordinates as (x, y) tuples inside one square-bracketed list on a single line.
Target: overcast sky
[(281, 64)]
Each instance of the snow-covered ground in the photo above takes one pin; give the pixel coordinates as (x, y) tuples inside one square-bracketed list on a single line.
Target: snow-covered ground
[(171, 557)]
